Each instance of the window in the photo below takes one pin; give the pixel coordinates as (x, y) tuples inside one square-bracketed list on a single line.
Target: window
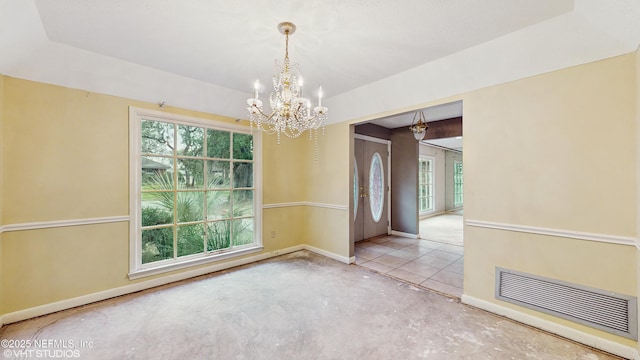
[(457, 184), (193, 191), (376, 187), (425, 184), (356, 194)]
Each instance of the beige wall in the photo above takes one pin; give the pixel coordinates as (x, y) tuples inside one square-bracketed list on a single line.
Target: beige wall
[(67, 151), (2, 174), (562, 149), (328, 183), (283, 180), (439, 180), (316, 174), (554, 151), (49, 265), (638, 172), (451, 157)]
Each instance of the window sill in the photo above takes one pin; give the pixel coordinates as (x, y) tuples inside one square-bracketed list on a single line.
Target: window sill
[(141, 273)]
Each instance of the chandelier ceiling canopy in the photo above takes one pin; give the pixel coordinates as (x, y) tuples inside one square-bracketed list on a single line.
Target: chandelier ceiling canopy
[(291, 112)]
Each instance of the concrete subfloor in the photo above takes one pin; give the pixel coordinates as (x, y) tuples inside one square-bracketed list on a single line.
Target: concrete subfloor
[(296, 306)]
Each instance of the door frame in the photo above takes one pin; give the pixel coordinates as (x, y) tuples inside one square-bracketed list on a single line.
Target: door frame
[(388, 177)]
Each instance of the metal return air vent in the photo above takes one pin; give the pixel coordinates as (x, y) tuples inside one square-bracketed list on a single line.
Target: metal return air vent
[(604, 310)]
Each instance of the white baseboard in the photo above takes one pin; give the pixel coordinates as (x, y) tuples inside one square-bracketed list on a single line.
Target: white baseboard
[(29, 313), (328, 254), (403, 234), (555, 328), (430, 215)]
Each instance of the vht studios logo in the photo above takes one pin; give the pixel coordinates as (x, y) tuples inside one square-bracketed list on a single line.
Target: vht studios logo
[(41, 353)]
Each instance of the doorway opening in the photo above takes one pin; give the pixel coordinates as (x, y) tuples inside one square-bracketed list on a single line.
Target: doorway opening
[(423, 243)]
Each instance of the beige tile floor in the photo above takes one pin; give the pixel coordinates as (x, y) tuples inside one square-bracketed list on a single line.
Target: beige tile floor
[(432, 264)]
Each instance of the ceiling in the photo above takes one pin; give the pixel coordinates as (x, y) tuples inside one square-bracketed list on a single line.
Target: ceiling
[(388, 56), (338, 44), (453, 143), (432, 113)]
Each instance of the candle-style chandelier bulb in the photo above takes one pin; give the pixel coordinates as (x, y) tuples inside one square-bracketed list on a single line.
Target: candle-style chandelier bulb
[(291, 111)]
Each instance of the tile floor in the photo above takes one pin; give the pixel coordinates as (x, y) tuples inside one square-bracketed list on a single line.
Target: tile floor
[(434, 265)]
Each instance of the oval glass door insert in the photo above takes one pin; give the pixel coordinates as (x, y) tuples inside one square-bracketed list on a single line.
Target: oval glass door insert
[(376, 187), (356, 193)]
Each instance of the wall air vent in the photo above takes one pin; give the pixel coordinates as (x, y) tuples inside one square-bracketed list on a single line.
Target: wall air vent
[(611, 312)]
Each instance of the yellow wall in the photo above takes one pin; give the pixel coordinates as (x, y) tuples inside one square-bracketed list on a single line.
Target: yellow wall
[(1, 191), (49, 265), (562, 149), (555, 151), (317, 174), (283, 183), (637, 55), (1, 157), (67, 152), (283, 169), (328, 183)]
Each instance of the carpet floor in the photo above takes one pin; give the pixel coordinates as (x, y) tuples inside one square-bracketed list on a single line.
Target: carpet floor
[(297, 306), (446, 228)]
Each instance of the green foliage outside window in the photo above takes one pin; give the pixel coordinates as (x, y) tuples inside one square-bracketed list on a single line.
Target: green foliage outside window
[(197, 190)]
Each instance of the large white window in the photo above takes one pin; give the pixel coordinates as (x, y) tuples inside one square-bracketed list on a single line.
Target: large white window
[(458, 199), (425, 184), (194, 191)]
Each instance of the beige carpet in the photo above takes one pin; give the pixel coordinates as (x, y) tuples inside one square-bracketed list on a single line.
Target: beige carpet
[(298, 306), (446, 228)]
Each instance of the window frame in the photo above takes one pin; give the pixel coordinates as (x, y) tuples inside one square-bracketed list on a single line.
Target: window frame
[(136, 268), (455, 184), (432, 160)]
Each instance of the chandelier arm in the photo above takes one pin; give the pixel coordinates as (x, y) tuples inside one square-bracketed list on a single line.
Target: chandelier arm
[(259, 111), (267, 117), (292, 114)]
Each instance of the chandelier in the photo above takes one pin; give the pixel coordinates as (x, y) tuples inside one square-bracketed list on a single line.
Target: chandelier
[(292, 113), (419, 128)]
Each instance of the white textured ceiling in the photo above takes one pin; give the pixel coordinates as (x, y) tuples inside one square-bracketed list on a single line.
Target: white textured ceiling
[(432, 113), (339, 44), (370, 56), (453, 143)]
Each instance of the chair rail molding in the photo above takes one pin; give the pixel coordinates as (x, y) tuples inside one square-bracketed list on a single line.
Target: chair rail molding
[(62, 223), (579, 235)]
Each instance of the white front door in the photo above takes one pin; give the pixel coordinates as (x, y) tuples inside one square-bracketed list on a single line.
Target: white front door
[(371, 189)]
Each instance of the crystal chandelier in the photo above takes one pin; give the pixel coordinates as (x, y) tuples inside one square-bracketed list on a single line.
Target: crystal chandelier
[(291, 111), (419, 128)]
